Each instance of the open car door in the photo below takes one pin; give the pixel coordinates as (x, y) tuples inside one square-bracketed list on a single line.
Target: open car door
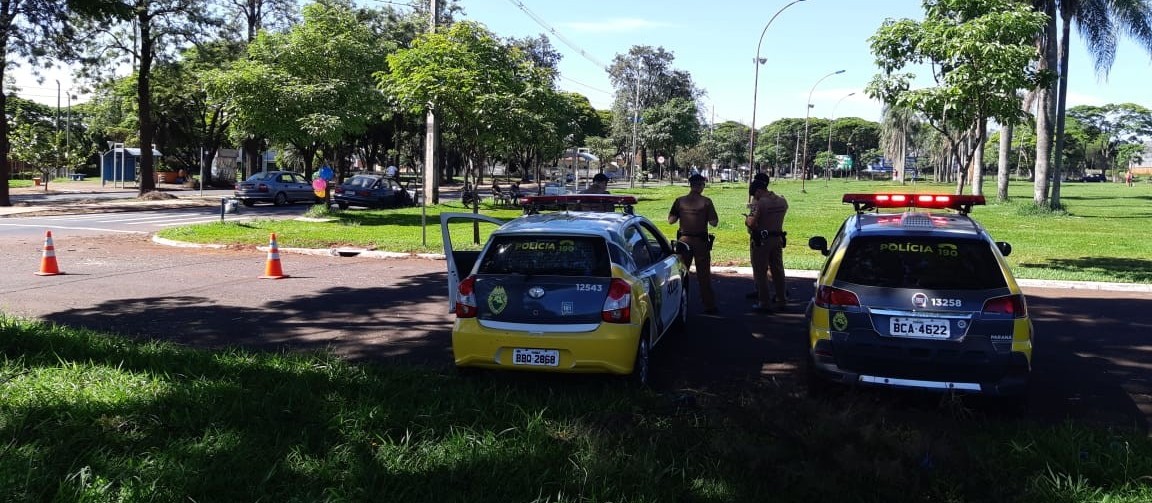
[(460, 249)]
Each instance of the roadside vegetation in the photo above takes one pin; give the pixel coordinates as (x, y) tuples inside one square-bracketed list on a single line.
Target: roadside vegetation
[(87, 416), (1092, 239)]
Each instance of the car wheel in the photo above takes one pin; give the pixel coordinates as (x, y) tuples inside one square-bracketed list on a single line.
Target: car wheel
[(342, 205), (281, 199), (248, 202), (640, 366)]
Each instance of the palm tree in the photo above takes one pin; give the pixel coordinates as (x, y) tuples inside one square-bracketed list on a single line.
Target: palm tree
[(897, 128), (1099, 23)]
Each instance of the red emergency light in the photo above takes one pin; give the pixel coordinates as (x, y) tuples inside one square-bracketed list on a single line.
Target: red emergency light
[(961, 203), (578, 202)]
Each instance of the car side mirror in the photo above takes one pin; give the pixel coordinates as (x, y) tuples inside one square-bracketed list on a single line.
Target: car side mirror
[(681, 248), (1005, 248), (819, 244)]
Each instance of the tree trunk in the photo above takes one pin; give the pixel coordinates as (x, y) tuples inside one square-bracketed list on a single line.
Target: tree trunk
[(978, 157), (144, 103), (1002, 163), (1061, 105), (1044, 111)]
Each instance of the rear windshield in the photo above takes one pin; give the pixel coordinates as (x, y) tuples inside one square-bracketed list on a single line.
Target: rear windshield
[(551, 255), (910, 262), (362, 181)]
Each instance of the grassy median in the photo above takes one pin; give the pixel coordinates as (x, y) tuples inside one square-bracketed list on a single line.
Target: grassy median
[(1098, 237), (90, 417)]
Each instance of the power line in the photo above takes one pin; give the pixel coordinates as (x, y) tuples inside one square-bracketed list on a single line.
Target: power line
[(577, 82), (557, 34)]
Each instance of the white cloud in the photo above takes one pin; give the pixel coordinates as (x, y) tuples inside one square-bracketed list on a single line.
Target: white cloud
[(1075, 99), (615, 25)]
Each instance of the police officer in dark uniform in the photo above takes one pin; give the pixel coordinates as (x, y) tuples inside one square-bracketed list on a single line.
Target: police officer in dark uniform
[(695, 212)]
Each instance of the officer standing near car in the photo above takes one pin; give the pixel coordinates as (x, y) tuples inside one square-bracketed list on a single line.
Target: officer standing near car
[(759, 177), (766, 223), (695, 212)]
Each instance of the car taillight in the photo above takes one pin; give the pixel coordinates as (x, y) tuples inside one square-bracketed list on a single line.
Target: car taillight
[(339, 190), (618, 305), (827, 297), (1008, 304), (466, 298), (262, 188)]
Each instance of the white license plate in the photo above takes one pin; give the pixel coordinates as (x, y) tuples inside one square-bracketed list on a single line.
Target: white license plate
[(536, 357), (927, 328)]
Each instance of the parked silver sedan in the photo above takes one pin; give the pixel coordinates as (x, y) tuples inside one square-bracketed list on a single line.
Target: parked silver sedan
[(276, 187)]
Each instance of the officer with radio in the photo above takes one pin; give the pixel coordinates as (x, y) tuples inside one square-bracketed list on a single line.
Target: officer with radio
[(695, 212), (766, 226)]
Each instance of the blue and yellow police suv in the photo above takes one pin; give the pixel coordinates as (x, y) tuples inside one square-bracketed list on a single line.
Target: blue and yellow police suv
[(580, 288), (920, 297)]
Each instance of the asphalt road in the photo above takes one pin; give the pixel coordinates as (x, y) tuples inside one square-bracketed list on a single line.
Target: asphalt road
[(1093, 358)]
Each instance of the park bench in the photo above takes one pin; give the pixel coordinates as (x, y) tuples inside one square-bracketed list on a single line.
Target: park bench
[(77, 177)]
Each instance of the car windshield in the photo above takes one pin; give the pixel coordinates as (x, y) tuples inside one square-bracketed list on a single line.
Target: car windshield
[(548, 255), (921, 262)]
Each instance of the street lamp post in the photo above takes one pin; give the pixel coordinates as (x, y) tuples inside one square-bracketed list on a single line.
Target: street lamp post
[(756, 87), (807, 114), (832, 126)]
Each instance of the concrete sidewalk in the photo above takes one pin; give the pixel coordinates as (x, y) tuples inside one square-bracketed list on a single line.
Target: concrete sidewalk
[(69, 196)]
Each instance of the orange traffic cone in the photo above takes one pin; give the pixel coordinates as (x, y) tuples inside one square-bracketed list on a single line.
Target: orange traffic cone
[(48, 266), (272, 268)]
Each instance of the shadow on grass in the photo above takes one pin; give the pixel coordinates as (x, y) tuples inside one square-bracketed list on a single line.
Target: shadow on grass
[(1131, 270)]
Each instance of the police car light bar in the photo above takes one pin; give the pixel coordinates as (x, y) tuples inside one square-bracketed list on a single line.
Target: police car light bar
[(865, 202), (533, 204)]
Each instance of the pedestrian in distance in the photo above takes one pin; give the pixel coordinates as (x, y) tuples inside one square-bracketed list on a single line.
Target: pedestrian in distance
[(766, 223), (695, 213), (599, 185)]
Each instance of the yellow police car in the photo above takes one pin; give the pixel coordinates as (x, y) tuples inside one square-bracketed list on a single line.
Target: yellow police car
[(920, 297), (568, 290)]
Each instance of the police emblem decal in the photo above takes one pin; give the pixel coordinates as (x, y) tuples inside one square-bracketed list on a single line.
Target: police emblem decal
[(839, 322), (497, 300)]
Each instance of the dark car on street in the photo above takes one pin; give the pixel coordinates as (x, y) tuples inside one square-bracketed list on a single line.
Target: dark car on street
[(372, 191), (1097, 177), (276, 187)]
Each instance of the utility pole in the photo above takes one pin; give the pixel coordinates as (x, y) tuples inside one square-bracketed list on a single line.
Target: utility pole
[(57, 142), (430, 144), (635, 123)]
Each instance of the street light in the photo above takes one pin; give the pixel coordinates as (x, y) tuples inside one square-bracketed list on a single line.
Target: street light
[(807, 114), (832, 126), (756, 87)]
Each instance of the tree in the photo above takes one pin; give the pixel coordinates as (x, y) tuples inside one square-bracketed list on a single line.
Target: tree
[(1098, 21), (311, 88), (671, 125), (979, 53), (483, 91), (1108, 128), (157, 30), (31, 31), (644, 78)]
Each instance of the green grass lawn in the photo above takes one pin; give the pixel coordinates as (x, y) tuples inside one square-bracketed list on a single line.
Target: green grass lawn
[(1097, 238), (91, 417)]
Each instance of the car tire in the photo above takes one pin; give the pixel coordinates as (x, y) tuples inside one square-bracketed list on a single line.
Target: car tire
[(248, 203), (342, 205), (642, 364), (281, 199)]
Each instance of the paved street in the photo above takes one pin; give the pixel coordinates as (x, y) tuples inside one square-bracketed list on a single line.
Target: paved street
[(1093, 357)]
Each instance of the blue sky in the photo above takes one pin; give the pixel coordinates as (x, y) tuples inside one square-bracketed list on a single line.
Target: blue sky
[(716, 42)]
